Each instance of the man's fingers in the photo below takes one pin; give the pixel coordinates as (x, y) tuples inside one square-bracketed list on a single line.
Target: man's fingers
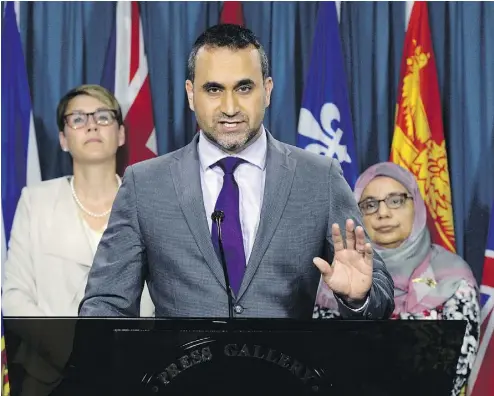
[(323, 266), (337, 238), (359, 239), (369, 254), (350, 235)]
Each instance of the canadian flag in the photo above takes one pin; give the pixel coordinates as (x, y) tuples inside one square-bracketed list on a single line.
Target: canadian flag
[(132, 88)]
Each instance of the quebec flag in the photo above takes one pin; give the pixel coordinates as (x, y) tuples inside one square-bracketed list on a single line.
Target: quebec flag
[(325, 124), (20, 162)]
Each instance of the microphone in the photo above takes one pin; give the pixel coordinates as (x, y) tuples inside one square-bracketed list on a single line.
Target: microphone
[(217, 217)]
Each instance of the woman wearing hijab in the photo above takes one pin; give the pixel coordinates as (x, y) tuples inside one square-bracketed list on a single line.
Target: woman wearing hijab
[(430, 281)]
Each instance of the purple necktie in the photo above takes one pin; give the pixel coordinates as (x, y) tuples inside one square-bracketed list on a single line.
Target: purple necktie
[(231, 231)]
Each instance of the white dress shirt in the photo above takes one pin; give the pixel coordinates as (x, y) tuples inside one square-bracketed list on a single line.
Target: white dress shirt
[(250, 177)]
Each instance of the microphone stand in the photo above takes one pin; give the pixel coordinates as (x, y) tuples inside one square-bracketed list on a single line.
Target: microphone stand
[(217, 217)]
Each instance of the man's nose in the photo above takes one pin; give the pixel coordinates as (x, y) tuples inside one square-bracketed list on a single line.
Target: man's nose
[(229, 104)]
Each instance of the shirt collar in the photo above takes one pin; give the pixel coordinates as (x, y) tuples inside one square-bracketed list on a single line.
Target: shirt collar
[(255, 153)]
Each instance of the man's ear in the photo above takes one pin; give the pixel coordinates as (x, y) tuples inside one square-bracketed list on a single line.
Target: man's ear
[(189, 88), (268, 87)]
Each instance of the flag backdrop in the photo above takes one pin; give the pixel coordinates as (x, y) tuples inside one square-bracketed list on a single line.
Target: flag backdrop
[(126, 75), (325, 124), (418, 140), (20, 162), (482, 379)]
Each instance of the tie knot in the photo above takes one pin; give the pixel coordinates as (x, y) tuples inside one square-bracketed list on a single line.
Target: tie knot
[(229, 164)]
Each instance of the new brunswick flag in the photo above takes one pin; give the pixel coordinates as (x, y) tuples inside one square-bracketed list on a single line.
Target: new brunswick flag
[(418, 140)]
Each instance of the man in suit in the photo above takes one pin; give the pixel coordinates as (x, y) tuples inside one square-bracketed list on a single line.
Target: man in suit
[(283, 208)]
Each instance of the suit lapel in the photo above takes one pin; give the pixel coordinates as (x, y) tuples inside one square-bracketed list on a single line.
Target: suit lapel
[(186, 177), (280, 170), (65, 237)]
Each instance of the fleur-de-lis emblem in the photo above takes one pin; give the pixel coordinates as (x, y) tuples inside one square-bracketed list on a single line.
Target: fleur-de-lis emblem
[(327, 140)]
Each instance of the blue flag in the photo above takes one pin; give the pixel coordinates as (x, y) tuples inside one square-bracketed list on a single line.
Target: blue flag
[(20, 161), (108, 77), (325, 124)]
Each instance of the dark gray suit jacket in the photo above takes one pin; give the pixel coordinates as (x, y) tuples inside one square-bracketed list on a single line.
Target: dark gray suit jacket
[(158, 232)]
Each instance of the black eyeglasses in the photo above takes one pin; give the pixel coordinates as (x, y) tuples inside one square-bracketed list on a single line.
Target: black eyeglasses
[(393, 201), (79, 120)]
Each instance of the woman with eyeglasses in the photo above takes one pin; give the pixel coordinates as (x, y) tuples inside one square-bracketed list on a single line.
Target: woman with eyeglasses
[(58, 223), (56, 231), (430, 281)]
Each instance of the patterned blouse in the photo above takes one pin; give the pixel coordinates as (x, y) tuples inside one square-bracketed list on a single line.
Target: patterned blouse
[(464, 304)]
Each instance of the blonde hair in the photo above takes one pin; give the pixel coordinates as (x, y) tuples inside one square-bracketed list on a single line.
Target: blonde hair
[(95, 91)]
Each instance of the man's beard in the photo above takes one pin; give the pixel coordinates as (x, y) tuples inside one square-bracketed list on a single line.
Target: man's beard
[(232, 142)]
